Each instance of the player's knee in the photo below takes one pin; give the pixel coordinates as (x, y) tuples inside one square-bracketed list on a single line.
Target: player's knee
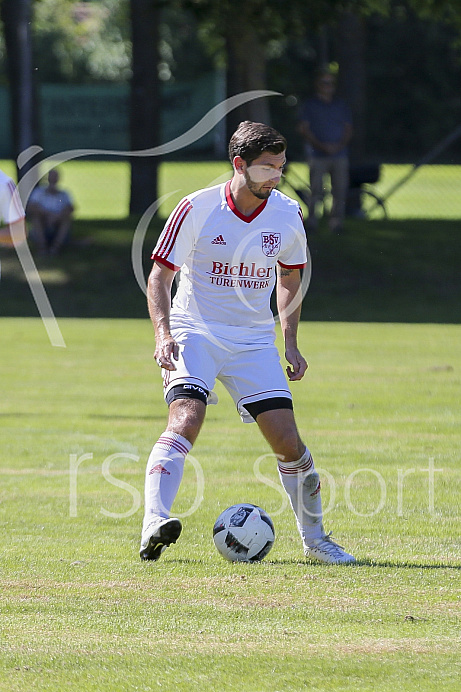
[(288, 446), (278, 426), (186, 417), (291, 449)]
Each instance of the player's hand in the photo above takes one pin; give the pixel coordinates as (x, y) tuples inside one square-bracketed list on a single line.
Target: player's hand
[(166, 351), (298, 364)]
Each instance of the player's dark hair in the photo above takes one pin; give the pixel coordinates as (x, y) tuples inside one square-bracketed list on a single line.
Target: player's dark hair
[(250, 140)]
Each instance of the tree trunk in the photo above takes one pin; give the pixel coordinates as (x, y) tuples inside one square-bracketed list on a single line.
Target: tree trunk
[(145, 103), (323, 46), (16, 17), (352, 72), (246, 71)]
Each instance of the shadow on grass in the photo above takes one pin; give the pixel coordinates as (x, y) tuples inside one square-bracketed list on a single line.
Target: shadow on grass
[(404, 565), (308, 563), (380, 271), (92, 277), (175, 561), (97, 416), (393, 564), (115, 417), (386, 271)]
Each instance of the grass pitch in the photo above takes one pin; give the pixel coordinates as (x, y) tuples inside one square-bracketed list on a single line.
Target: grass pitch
[(379, 409)]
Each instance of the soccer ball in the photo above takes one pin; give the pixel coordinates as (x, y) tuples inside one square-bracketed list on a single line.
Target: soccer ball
[(244, 533)]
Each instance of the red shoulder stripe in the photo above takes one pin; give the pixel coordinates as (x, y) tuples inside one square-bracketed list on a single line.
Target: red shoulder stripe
[(170, 233)]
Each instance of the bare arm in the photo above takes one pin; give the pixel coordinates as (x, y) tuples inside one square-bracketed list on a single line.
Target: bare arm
[(159, 302), (308, 135), (329, 148), (18, 231), (289, 300), (345, 139), (14, 233)]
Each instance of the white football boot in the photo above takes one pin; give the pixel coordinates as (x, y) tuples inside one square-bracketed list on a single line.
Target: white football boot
[(158, 535), (325, 550)]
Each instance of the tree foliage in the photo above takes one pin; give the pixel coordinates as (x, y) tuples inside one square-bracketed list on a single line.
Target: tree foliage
[(79, 42), (273, 44)]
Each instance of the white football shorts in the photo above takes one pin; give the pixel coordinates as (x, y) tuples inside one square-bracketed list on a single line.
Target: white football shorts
[(248, 372)]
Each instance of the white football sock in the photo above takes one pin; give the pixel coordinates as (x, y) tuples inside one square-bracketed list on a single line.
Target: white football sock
[(302, 485), (164, 472)]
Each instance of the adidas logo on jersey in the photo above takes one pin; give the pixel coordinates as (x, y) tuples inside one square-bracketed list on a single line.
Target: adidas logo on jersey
[(219, 240)]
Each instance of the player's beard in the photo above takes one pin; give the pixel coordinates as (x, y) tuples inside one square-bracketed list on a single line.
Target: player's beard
[(256, 189)]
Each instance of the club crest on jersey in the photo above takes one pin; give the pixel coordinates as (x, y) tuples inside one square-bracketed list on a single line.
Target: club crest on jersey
[(271, 243)]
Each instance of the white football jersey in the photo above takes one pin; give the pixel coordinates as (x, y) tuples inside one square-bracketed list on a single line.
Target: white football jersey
[(228, 260), (11, 208)]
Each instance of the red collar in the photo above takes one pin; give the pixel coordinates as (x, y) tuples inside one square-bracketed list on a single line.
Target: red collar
[(238, 213)]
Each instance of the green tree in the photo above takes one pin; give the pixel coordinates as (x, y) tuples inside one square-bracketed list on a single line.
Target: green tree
[(82, 41), (413, 93), (16, 17), (243, 34)]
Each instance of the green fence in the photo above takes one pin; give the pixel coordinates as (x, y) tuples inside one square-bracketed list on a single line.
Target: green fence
[(76, 116), (82, 117)]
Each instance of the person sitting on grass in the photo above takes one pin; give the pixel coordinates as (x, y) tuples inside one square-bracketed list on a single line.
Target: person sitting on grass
[(50, 212)]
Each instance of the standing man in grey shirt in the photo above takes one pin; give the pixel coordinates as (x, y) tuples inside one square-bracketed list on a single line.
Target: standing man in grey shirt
[(326, 127)]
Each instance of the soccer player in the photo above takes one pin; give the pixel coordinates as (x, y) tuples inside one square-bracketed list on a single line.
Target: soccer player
[(232, 244), (12, 226)]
